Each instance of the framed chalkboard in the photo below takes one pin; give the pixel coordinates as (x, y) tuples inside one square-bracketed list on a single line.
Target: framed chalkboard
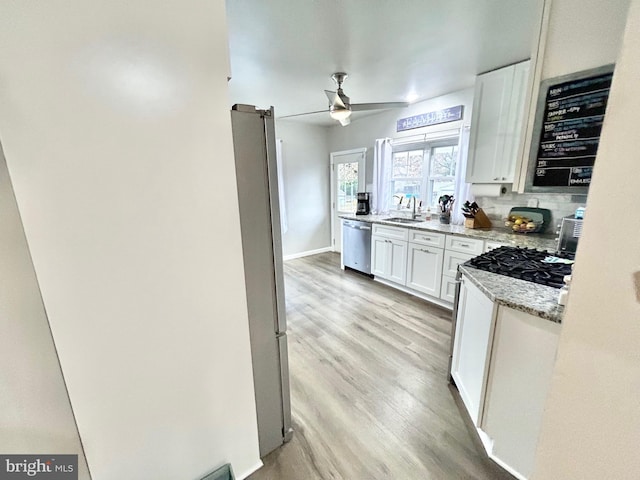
[(566, 132)]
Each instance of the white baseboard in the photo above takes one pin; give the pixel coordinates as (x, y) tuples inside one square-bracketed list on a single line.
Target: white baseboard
[(256, 467), (410, 291), (307, 253)]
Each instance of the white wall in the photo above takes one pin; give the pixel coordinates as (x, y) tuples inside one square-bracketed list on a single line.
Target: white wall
[(35, 413), (583, 34), (116, 128), (305, 158), (591, 427)]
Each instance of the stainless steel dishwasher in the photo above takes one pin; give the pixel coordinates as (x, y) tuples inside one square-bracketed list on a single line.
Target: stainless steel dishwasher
[(356, 245)]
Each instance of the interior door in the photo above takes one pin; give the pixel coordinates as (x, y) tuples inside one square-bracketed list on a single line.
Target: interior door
[(347, 179)]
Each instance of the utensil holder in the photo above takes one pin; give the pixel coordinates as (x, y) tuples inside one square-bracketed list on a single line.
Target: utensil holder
[(445, 218)]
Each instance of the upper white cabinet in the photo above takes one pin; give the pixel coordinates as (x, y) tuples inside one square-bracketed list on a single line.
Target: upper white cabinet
[(496, 124)]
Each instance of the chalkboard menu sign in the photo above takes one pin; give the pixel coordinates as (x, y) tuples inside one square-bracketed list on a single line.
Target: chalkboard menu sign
[(567, 130)]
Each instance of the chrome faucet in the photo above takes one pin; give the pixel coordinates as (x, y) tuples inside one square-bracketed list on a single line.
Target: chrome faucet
[(413, 213)]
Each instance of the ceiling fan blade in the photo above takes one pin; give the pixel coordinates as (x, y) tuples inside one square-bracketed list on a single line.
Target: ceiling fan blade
[(345, 122), (305, 113), (334, 99), (357, 107)]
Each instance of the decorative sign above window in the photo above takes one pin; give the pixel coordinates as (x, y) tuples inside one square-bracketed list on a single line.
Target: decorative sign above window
[(569, 118), (445, 115)]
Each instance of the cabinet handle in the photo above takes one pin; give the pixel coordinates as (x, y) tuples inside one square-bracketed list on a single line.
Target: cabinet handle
[(497, 178), (426, 238), (466, 245), (424, 250), (504, 178)]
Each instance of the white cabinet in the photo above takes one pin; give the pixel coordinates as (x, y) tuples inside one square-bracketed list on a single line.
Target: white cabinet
[(424, 262), (489, 245), (502, 364), (427, 238), (398, 262), (389, 253), (496, 124), (458, 250), (452, 260), (522, 360), (424, 269), (380, 252), (472, 347), (471, 246), (448, 289)]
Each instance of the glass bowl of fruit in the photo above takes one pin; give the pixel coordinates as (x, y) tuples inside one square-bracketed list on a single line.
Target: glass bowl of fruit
[(519, 224)]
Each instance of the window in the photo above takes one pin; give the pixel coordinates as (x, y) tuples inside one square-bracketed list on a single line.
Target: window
[(423, 171)]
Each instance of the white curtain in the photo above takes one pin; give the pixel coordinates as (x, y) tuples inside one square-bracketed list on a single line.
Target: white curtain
[(462, 191), (283, 206), (381, 175)]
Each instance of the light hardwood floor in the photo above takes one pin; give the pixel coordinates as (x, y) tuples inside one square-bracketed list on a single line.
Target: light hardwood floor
[(369, 393)]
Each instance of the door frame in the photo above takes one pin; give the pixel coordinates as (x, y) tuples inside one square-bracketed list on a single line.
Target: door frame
[(332, 175)]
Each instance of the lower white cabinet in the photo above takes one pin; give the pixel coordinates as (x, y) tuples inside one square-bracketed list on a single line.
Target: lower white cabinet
[(448, 289), (424, 269), (389, 259), (472, 347), (502, 364), (489, 245), (522, 360)]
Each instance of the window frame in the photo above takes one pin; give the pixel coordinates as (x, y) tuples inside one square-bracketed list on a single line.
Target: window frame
[(427, 147)]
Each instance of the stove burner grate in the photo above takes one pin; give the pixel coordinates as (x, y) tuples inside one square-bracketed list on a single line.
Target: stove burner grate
[(525, 264)]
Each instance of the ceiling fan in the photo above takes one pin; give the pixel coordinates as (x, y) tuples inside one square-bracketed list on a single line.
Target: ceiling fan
[(340, 106)]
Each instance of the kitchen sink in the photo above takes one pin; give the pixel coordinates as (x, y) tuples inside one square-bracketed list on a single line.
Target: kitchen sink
[(403, 220)]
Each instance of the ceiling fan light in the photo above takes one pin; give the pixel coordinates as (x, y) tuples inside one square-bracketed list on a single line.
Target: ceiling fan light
[(340, 113)]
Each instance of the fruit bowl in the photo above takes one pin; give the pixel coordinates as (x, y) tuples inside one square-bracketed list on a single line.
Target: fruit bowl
[(522, 225)]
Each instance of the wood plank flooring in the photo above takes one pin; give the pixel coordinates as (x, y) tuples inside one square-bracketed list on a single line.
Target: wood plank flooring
[(370, 398)]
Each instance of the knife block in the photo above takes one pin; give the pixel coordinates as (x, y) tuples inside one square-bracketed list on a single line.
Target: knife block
[(479, 221)]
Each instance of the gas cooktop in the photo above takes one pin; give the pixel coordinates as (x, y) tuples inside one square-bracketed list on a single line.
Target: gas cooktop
[(525, 264)]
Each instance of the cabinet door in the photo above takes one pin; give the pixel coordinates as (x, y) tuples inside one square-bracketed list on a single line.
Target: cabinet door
[(424, 269), (522, 360), (380, 260), (505, 166), (448, 289), (452, 260), (398, 264), (471, 347), (491, 104)]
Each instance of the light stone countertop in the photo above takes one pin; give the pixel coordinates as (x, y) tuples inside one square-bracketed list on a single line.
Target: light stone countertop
[(496, 234), (528, 297)]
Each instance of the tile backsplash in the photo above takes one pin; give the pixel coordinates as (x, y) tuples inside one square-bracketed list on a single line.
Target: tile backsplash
[(561, 205)]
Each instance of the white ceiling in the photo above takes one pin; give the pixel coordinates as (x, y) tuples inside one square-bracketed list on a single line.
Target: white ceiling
[(283, 52)]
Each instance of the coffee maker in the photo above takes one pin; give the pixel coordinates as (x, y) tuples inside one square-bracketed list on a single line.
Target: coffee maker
[(363, 203)]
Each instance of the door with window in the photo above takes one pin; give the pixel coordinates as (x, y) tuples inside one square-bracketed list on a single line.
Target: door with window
[(347, 179)]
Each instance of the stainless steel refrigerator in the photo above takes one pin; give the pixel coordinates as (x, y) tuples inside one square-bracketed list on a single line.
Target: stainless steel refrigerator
[(256, 171)]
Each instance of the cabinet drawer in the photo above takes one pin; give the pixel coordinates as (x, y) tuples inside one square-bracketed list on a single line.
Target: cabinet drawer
[(393, 233), (465, 245), (427, 238), (448, 289), (452, 260), (489, 245)]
